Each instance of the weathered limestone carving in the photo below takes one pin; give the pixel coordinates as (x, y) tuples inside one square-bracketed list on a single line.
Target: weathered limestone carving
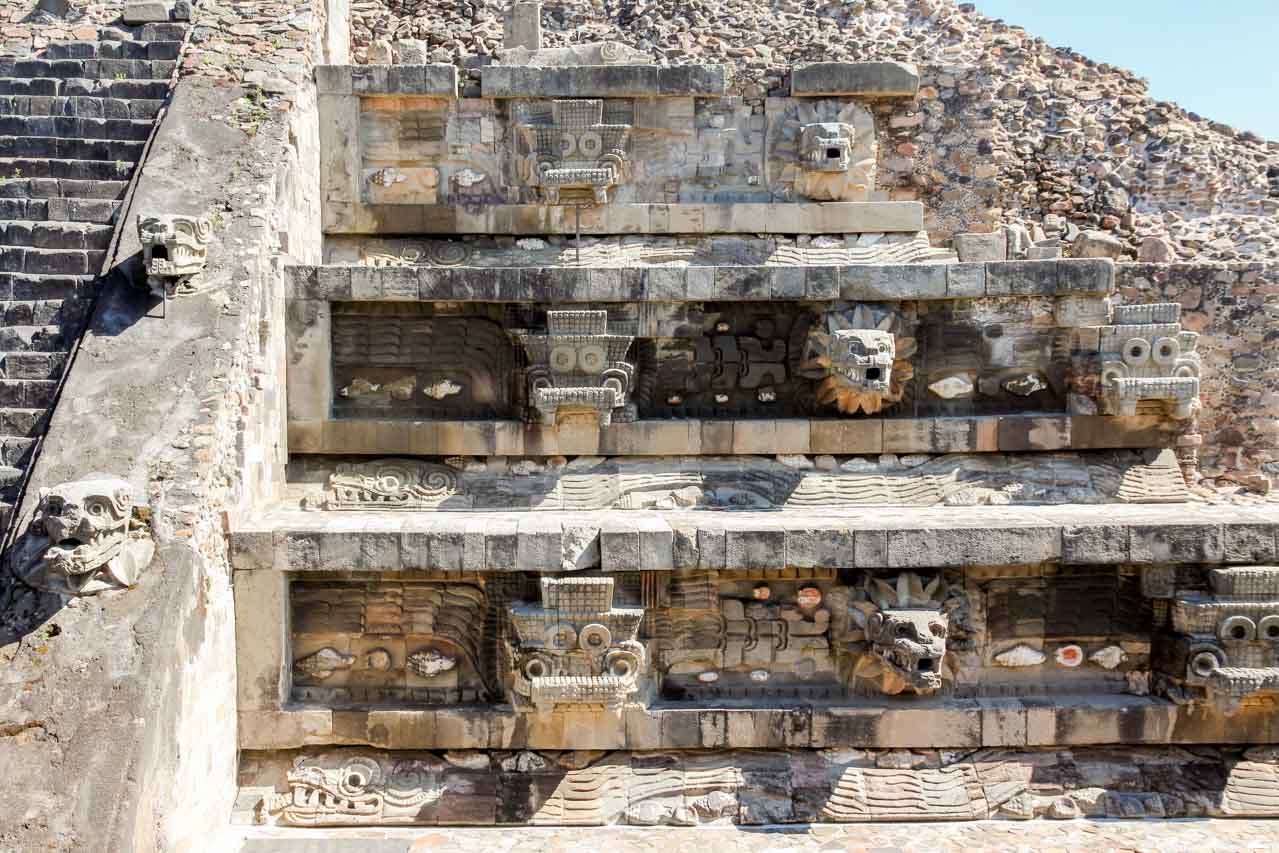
[(386, 642), (575, 647), (91, 542), (356, 790), (906, 630), (838, 161), (570, 153), (395, 484), (1146, 356), (1227, 646), (862, 356), (175, 248), (577, 366)]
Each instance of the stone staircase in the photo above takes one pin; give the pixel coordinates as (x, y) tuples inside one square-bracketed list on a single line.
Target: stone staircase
[(73, 127)]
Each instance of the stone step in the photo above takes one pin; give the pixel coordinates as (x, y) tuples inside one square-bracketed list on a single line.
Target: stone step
[(15, 450), (37, 312), (32, 365), (79, 105), (93, 210), (73, 127), (27, 393), (25, 259), (79, 170), (31, 339), (21, 421), (96, 69), (113, 50), (151, 90), (9, 478), (70, 149), (25, 287), (6, 512), (48, 188), (162, 32), (56, 235)]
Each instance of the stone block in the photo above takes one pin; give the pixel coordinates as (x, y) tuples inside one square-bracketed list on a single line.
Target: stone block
[(821, 283), (1021, 278), (965, 281), (858, 79), (939, 546), (1096, 275), (906, 281), (1250, 543), (1094, 544), (1003, 722), (603, 81), (522, 26), (145, 12), (981, 248), (761, 547), (844, 437), (820, 546), (1176, 543), (1020, 433), (870, 549)]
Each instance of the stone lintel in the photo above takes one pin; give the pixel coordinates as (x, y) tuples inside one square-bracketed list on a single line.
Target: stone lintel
[(292, 540), (1087, 720), (835, 217), (836, 436), (424, 80), (682, 283), (855, 79), (604, 81)]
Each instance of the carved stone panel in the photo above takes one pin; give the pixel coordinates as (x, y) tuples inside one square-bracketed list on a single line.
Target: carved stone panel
[(401, 360), (388, 642)]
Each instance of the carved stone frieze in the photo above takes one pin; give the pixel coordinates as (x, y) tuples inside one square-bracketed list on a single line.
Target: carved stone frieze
[(578, 366), (838, 161), (574, 648), (906, 630), (1147, 356), (87, 539), (392, 484), (1225, 643), (861, 355), (175, 248), (347, 789), (570, 152), (756, 787), (385, 642)]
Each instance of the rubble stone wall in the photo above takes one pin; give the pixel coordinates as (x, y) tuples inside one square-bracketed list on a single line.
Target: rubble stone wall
[(1235, 309), (1005, 128)]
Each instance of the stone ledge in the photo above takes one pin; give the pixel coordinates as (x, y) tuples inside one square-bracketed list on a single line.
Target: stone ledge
[(995, 433), (1091, 720), (429, 80), (698, 283), (604, 81), (855, 79), (835, 217), (291, 540)]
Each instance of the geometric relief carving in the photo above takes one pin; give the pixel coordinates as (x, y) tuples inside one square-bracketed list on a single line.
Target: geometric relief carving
[(765, 634), (393, 484), (1226, 648), (574, 647), (396, 360), (1146, 356), (569, 153), (577, 366), (387, 642), (359, 787)]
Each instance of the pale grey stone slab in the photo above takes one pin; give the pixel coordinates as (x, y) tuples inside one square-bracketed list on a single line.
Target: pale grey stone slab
[(603, 81), (904, 281), (864, 79)]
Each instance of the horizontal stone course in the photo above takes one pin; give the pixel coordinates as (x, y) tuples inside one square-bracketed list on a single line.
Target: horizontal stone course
[(677, 283), (603, 81), (426, 80), (1010, 433), (288, 540), (1062, 721), (855, 79)]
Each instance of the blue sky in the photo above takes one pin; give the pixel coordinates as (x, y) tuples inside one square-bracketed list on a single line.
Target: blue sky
[(1218, 58)]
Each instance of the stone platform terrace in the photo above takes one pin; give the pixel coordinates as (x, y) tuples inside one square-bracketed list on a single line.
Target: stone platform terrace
[(1182, 836)]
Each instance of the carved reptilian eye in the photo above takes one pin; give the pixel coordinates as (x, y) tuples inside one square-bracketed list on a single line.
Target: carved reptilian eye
[(96, 508), (904, 630)]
